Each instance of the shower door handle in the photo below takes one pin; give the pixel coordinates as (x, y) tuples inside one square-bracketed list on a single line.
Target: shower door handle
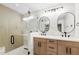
[(12, 39)]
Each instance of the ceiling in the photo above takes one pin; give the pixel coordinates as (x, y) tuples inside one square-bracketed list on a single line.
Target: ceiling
[(24, 7)]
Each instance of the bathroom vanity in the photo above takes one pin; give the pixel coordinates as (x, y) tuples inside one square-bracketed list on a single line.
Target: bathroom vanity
[(62, 44), (53, 46)]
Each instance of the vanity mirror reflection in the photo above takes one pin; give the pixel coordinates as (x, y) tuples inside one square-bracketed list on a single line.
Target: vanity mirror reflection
[(44, 24), (66, 22)]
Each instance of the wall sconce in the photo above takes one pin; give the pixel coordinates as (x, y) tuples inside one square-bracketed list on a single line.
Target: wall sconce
[(54, 9)]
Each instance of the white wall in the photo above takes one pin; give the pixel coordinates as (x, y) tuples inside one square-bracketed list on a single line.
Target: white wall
[(33, 24), (77, 20)]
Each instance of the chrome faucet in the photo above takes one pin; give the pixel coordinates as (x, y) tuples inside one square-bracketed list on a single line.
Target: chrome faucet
[(65, 34)]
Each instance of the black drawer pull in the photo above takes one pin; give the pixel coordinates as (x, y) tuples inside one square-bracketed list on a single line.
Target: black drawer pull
[(39, 44), (12, 39), (52, 47), (70, 50), (66, 50)]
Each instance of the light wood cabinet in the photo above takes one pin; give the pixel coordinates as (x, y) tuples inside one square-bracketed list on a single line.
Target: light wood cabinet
[(44, 46), (68, 48), (36, 46), (39, 46), (74, 50), (51, 47), (62, 50)]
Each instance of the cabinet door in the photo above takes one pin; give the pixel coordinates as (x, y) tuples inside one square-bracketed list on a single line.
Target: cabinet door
[(43, 47), (36, 46), (62, 49), (68, 48), (39, 46), (59, 47), (74, 51)]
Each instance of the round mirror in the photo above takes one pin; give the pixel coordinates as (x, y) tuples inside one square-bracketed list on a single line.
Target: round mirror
[(66, 22), (44, 23)]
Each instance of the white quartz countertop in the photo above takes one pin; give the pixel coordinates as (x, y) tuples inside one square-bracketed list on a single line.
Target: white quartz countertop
[(56, 37)]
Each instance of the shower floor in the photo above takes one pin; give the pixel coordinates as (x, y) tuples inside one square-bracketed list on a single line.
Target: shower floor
[(18, 51)]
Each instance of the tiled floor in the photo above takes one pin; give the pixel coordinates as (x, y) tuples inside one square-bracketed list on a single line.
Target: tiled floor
[(19, 51)]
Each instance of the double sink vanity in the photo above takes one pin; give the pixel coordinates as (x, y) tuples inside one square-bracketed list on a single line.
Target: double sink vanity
[(44, 44), (48, 45)]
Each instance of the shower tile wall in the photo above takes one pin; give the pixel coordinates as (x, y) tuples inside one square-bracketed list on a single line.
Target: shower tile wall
[(10, 24)]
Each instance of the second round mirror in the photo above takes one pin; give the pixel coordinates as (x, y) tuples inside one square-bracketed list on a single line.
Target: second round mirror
[(66, 22)]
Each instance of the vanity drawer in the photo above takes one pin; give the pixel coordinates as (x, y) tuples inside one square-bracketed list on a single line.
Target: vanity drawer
[(52, 47), (70, 43), (51, 41)]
